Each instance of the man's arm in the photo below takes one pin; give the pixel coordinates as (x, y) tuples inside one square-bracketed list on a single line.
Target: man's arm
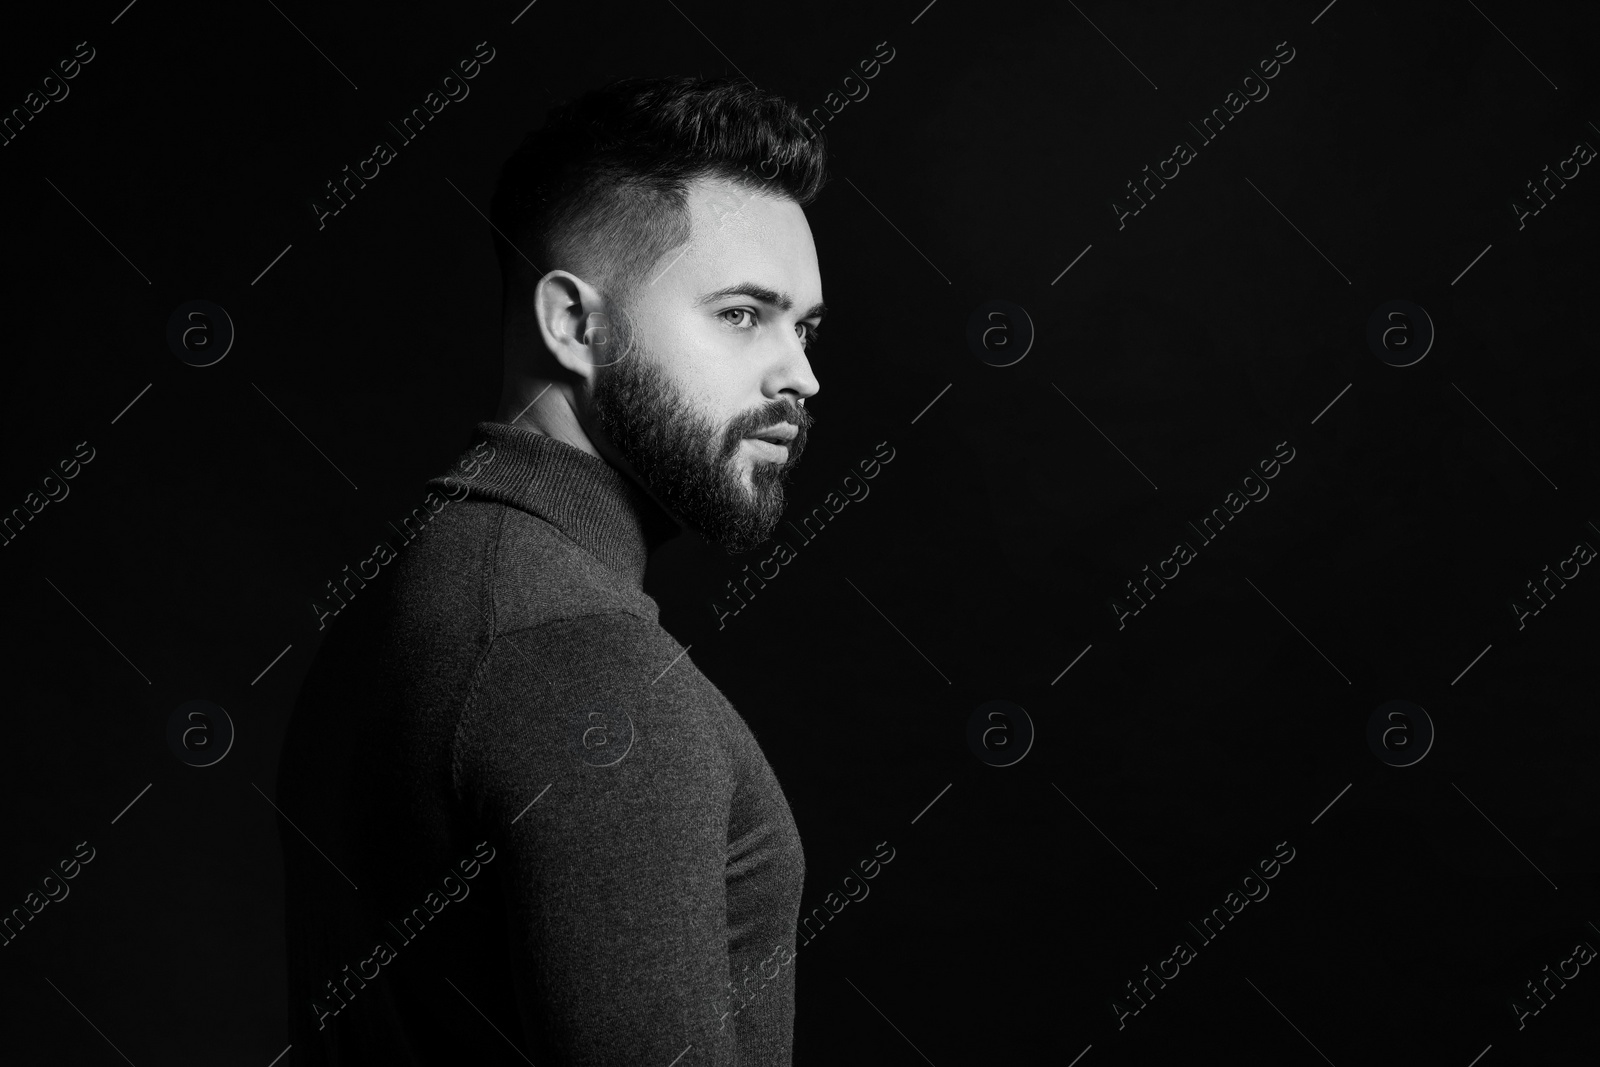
[(615, 878)]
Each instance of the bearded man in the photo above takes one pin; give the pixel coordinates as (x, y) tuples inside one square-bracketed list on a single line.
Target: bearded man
[(520, 825)]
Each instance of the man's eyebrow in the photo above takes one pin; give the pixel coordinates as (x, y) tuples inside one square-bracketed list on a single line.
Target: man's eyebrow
[(781, 301)]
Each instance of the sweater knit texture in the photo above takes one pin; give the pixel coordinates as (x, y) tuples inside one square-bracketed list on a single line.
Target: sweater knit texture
[(518, 823)]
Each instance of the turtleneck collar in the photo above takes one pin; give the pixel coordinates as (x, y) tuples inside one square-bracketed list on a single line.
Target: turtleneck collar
[(583, 496)]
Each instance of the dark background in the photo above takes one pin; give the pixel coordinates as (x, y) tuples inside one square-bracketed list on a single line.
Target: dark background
[(1221, 320)]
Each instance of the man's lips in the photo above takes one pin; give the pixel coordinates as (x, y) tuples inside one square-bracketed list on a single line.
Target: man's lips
[(781, 434), (768, 448)]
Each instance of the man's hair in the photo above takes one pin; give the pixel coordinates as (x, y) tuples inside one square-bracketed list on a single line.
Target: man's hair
[(601, 189)]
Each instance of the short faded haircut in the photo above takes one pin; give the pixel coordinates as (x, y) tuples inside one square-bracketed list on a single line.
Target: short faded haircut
[(601, 188)]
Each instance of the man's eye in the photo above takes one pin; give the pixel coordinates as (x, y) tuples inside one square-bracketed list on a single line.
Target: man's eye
[(812, 334), (740, 311)]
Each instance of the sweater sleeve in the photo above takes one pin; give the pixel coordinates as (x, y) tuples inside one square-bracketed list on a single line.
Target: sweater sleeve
[(609, 790)]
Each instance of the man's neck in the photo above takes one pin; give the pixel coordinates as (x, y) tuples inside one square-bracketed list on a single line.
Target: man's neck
[(545, 407)]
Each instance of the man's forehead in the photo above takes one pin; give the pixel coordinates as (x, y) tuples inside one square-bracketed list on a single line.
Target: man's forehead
[(719, 207), (739, 235)]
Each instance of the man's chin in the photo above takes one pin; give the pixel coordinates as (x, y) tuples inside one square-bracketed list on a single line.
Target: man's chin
[(750, 532), (739, 515), (739, 548), (745, 538)]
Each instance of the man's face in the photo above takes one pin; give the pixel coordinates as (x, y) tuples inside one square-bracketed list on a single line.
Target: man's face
[(696, 371)]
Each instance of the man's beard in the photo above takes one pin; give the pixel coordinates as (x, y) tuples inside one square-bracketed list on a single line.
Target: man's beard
[(689, 462)]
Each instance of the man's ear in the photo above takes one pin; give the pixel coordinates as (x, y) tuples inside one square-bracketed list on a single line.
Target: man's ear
[(574, 323)]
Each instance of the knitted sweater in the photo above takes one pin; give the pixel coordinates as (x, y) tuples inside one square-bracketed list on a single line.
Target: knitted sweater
[(518, 823)]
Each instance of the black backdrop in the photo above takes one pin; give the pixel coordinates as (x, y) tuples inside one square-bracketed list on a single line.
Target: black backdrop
[(1171, 749)]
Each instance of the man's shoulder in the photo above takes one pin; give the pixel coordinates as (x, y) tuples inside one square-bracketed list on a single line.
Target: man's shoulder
[(599, 690), (511, 571)]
